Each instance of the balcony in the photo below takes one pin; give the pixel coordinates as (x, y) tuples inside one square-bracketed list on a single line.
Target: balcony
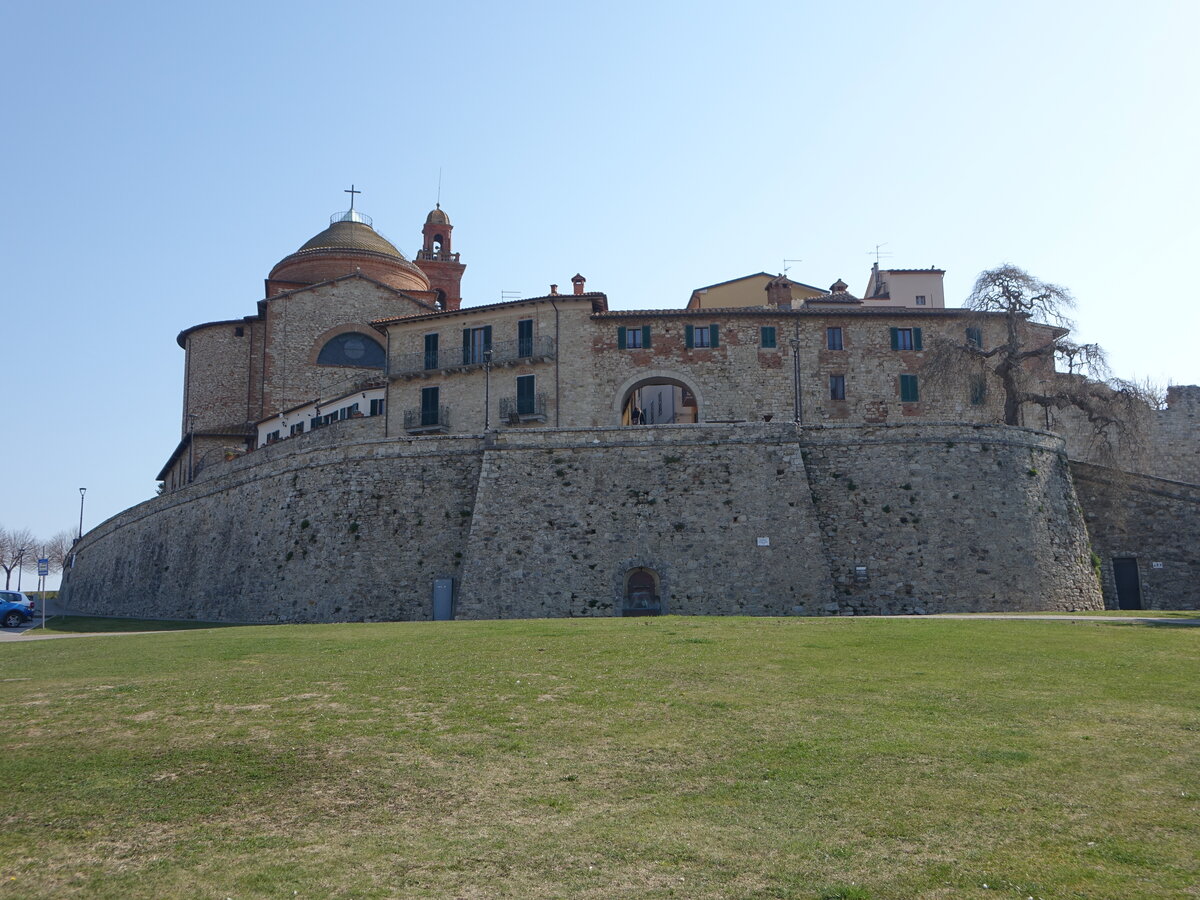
[(519, 410), (463, 359), (425, 420)]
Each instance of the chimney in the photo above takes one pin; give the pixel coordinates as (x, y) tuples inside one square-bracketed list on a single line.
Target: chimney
[(579, 282), (838, 287), (554, 290), (779, 292)]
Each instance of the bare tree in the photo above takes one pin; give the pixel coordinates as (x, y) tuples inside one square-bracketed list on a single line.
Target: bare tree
[(16, 550), (1036, 363)]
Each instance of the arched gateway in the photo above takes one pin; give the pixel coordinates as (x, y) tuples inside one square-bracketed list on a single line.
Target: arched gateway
[(657, 399)]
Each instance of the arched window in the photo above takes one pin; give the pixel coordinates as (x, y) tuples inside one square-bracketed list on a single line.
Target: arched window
[(352, 349)]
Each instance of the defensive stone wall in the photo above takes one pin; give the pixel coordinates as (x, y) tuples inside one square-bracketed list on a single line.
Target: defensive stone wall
[(1151, 520), (760, 519)]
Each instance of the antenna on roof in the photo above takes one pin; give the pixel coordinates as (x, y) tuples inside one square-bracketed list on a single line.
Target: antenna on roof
[(785, 264), (879, 253), (509, 295), (439, 199)]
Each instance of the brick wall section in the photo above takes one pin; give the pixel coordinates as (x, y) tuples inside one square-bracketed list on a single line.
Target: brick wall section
[(548, 522), (1149, 519)]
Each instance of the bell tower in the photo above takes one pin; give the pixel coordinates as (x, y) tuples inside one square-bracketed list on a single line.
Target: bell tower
[(439, 263)]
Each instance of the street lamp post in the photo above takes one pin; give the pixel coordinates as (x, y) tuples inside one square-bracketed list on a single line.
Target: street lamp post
[(799, 409), (20, 564), (487, 389), (82, 491)]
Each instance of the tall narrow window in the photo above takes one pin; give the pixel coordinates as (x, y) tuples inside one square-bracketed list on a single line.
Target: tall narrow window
[(526, 398), (975, 337), (431, 351), (978, 390), (833, 338), (429, 406), (767, 339), (837, 387), (908, 389), (476, 342), (525, 338)]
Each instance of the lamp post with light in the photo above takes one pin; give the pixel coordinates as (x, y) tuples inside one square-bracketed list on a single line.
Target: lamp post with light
[(82, 491)]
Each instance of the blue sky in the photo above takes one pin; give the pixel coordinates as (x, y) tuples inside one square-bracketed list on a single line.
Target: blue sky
[(162, 157)]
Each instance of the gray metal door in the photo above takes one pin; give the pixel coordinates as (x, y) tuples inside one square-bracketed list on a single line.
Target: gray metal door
[(443, 599)]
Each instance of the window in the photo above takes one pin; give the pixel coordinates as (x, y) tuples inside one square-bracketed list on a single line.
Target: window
[(378, 406), (352, 349), (431, 351), (347, 411), (702, 336), (920, 299), (908, 389), (767, 338), (833, 339), (978, 390), (476, 342), (429, 406), (240, 331), (298, 428), (906, 338), (837, 387), (526, 402), (633, 338), (525, 338), (272, 437), (975, 337)]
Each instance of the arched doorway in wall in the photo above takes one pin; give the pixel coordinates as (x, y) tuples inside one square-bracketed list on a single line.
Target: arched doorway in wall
[(642, 597), (659, 400)]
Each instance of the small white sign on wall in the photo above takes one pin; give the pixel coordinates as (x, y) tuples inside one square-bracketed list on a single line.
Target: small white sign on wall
[(764, 542), (1155, 565)]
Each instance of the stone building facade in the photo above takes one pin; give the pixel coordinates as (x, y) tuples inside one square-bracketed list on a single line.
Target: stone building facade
[(363, 436)]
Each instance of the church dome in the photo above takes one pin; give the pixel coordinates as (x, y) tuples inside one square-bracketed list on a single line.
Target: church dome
[(437, 217), (350, 244)]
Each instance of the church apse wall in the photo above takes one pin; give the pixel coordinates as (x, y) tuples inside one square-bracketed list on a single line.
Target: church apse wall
[(337, 525)]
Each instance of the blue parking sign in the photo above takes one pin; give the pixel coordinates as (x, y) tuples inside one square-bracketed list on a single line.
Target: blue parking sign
[(43, 567)]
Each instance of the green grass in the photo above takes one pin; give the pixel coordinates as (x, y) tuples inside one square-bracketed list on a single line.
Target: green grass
[(636, 758), (102, 624)]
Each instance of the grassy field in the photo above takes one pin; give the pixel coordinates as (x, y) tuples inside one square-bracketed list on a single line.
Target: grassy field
[(688, 758), (104, 624)]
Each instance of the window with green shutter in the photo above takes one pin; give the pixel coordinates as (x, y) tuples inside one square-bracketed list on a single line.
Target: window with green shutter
[(525, 338), (476, 343), (633, 338), (906, 338), (908, 389), (767, 340), (431, 351), (525, 395)]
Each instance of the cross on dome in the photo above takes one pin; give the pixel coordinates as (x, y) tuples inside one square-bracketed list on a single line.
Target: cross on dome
[(352, 192)]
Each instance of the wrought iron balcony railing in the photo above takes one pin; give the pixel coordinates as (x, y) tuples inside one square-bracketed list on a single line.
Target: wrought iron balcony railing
[(515, 410), (460, 359), (426, 420)]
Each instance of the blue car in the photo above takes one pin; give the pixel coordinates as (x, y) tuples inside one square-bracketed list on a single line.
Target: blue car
[(15, 609)]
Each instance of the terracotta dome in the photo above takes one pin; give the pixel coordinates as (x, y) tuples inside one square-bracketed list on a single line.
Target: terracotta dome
[(347, 246), (437, 217)]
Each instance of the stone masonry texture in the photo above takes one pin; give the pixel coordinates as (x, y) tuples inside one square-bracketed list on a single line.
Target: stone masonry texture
[(345, 525)]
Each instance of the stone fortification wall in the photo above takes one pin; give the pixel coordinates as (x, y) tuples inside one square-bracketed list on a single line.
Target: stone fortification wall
[(306, 530), (1152, 520), (949, 518), (550, 522), (1168, 444), (563, 517)]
